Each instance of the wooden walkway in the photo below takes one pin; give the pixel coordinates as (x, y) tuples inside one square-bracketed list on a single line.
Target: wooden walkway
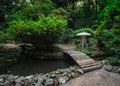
[(84, 61)]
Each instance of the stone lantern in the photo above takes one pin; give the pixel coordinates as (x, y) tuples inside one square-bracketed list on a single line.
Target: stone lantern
[(83, 36)]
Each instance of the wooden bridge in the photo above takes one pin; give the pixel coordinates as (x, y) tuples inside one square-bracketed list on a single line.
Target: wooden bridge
[(84, 61)]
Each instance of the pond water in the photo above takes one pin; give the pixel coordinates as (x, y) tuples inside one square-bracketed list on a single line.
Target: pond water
[(33, 66)]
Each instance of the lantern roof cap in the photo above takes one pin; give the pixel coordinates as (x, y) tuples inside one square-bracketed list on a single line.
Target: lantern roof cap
[(83, 34)]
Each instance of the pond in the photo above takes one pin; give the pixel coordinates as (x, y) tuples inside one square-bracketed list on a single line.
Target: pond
[(33, 66)]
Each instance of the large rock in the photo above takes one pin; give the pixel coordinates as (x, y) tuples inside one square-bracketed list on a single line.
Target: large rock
[(18, 84), (7, 83), (1, 80), (112, 69), (29, 77), (20, 79), (1, 84), (116, 70), (63, 79), (39, 83), (108, 68), (49, 82), (42, 77), (53, 75), (80, 71), (71, 68)]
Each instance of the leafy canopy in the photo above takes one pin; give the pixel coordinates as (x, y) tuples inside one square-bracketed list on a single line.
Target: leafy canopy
[(42, 33)]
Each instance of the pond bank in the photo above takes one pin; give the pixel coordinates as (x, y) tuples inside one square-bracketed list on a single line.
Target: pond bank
[(55, 78), (13, 53)]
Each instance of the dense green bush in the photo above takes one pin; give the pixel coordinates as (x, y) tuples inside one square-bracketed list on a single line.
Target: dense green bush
[(117, 19), (42, 33), (67, 36), (98, 33), (109, 40), (114, 61), (6, 38), (110, 6)]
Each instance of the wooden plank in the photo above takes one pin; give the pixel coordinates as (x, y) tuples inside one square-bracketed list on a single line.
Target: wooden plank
[(87, 69), (85, 61), (89, 65)]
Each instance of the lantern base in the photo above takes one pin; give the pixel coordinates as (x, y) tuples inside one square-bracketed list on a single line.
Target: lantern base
[(83, 45)]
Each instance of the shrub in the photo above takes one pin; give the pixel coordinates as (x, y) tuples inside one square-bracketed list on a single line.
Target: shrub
[(108, 35), (98, 33), (42, 33), (110, 40), (117, 19), (66, 36), (113, 61), (85, 51)]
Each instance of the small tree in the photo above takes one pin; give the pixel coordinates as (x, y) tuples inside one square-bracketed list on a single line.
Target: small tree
[(42, 33)]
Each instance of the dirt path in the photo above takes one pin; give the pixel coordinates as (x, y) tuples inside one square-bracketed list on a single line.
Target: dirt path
[(96, 78), (66, 47)]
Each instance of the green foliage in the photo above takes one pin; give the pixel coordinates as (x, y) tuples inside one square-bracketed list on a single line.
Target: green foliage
[(67, 36), (29, 22), (109, 41), (117, 19), (98, 33), (4, 38), (85, 51), (31, 11), (92, 41), (42, 33), (105, 42), (110, 6), (15, 16), (113, 60), (1, 45), (65, 3), (60, 12), (108, 37), (37, 9), (100, 29), (87, 8), (8, 5)]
